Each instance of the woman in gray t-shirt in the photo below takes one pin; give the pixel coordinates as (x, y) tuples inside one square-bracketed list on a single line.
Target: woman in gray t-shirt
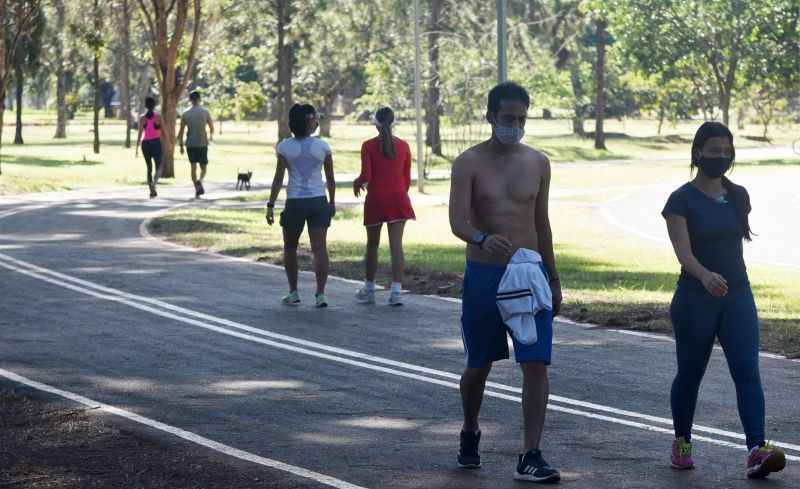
[(304, 157)]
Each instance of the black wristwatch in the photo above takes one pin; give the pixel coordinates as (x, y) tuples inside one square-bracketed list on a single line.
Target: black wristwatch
[(270, 205), (479, 238)]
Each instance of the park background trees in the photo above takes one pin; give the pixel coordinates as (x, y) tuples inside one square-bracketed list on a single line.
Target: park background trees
[(582, 60)]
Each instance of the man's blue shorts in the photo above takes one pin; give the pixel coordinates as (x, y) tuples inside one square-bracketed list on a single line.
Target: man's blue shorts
[(482, 327)]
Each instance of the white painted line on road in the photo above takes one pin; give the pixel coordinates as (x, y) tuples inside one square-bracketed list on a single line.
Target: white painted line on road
[(618, 198), (17, 210), (606, 213), (134, 301), (181, 433)]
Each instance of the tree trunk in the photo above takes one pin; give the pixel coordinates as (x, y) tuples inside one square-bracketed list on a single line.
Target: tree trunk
[(327, 109), (96, 75), (661, 115), (285, 65), (433, 107), (740, 118), (725, 105), (96, 123), (142, 88), (169, 116), (19, 77), (325, 127), (577, 93), (125, 69), (2, 108), (600, 74), (61, 83), (767, 118)]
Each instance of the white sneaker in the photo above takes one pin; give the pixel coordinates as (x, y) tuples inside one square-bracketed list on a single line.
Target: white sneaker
[(365, 295), (395, 299)]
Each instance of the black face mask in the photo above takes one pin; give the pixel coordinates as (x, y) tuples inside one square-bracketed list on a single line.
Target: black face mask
[(714, 167)]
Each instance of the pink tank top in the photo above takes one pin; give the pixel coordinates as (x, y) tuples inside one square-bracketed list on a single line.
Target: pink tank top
[(150, 130)]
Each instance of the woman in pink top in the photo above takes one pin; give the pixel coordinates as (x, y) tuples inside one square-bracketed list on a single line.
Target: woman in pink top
[(150, 123), (386, 173)]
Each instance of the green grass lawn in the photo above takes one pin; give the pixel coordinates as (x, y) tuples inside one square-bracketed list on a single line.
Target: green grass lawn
[(43, 163), (610, 278)]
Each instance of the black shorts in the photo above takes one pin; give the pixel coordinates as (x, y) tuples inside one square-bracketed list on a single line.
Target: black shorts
[(198, 155), (315, 211)]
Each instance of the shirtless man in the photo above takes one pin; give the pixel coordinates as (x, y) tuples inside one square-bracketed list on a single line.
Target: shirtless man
[(498, 204)]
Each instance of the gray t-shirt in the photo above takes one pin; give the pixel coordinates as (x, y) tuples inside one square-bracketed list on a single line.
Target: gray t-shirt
[(304, 158), (196, 118)]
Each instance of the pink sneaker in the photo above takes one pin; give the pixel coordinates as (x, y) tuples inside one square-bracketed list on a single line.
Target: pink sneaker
[(762, 461), (682, 454)]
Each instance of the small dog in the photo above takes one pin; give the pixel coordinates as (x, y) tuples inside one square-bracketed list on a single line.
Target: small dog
[(243, 182)]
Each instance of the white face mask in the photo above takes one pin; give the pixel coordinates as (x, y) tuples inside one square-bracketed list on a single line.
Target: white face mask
[(508, 135)]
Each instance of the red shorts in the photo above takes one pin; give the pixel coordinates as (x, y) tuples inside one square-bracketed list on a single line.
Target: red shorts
[(381, 207)]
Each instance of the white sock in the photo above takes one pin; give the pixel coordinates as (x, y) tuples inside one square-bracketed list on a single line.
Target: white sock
[(369, 285), (397, 287)]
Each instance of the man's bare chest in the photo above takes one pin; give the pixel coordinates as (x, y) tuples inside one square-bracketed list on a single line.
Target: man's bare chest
[(518, 187)]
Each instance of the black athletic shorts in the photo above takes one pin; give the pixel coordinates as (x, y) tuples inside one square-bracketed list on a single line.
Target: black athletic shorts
[(198, 155), (315, 211)]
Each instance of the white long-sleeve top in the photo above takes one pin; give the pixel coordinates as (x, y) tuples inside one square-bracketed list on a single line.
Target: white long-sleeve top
[(523, 292)]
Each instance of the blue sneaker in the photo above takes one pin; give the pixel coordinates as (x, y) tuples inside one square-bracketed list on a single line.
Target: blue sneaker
[(533, 468), (468, 456)]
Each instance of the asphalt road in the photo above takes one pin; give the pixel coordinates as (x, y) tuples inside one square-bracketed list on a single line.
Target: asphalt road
[(365, 395)]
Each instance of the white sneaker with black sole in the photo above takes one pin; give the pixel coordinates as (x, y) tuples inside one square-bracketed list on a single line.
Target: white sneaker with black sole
[(533, 468)]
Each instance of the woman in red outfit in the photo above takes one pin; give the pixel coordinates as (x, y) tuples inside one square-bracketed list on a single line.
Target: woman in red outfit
[(386, 174)]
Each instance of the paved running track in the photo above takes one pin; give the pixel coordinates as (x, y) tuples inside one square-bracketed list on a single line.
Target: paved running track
[(196, 345)]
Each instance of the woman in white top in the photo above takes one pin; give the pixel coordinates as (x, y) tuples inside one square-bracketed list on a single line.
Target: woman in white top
[(304, 156)]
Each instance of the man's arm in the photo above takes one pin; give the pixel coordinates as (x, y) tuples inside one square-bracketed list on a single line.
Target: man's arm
[(461, 200), (545, 234), (210, 128), (180, 134)]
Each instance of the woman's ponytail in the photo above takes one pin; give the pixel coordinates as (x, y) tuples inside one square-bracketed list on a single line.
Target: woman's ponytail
[(384, 118)]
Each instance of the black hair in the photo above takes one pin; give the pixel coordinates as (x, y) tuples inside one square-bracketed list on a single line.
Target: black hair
[(150, 105), (737, 194), (194, 96), (385, 118), (506, 91), (298, 119)]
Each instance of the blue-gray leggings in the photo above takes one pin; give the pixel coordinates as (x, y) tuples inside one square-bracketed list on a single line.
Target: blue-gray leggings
[(697, 318)]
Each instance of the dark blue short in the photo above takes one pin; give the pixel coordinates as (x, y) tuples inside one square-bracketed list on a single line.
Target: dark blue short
[(484, 333)]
